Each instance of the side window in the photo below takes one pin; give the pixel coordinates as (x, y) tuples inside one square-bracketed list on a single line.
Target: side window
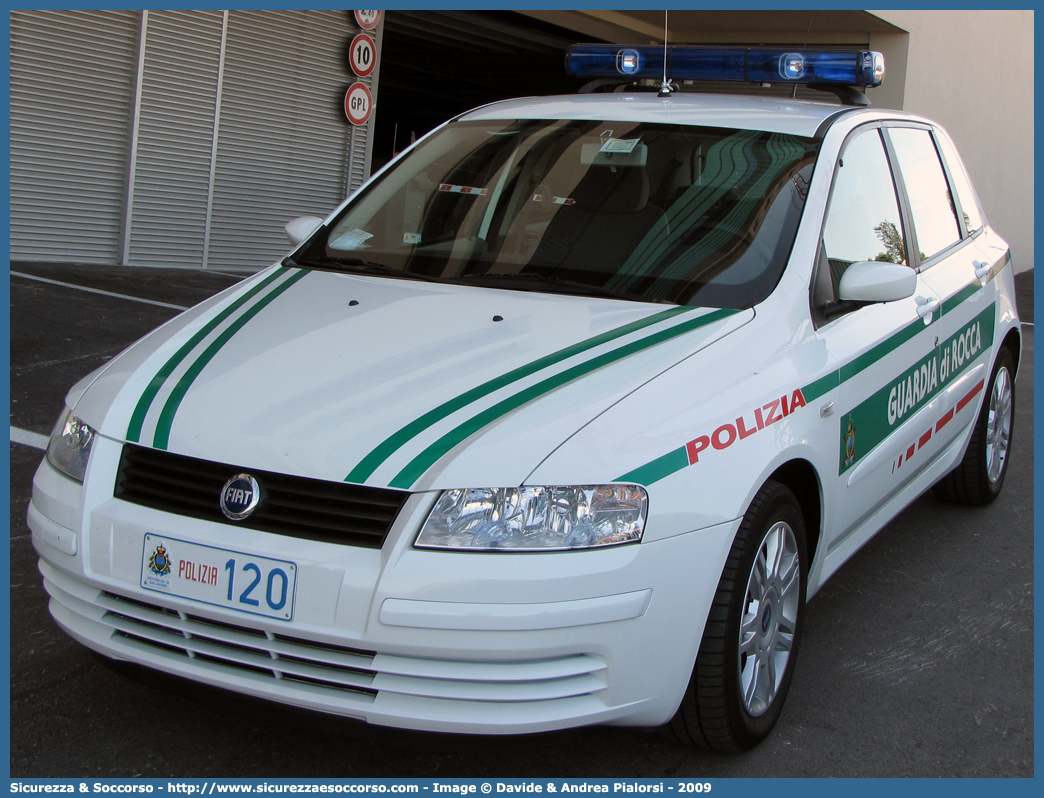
[(962, 185), (863, 221), (931, 204)]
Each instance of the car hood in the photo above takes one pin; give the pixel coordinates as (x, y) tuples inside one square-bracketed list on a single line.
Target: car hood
[(388, 382)]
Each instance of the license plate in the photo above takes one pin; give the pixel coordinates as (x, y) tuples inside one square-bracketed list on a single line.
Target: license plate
[(221, 577)]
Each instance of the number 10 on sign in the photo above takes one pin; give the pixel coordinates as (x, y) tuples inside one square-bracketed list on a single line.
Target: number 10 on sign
[(362, 54), (358, 104)]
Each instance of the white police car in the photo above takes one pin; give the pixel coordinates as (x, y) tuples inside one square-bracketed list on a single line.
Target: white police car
[(559, 420)]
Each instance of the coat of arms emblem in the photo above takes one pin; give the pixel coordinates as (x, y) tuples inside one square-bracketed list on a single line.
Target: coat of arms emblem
[(159, 562)]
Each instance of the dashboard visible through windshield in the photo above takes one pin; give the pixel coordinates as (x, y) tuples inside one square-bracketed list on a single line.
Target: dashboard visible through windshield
[(650, 212)]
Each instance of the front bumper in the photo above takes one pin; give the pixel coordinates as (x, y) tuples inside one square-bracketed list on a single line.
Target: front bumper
[(427, 640)]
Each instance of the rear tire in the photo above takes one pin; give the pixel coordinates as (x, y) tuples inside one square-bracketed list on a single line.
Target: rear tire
[(979, 477), (750, 642)]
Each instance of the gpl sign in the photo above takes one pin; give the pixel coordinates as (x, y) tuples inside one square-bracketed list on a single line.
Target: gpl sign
[(358, 104)]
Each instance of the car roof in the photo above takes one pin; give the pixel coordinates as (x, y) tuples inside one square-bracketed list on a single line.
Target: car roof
[(773, 114)]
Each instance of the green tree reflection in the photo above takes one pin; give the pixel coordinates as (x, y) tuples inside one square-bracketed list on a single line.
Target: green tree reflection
[(895, 247)]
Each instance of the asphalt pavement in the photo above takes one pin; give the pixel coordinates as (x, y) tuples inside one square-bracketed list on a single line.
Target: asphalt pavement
[(917, 658)]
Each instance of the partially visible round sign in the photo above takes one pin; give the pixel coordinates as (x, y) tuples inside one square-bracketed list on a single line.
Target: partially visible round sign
[(362, 55), (358, 104), (367, 20)]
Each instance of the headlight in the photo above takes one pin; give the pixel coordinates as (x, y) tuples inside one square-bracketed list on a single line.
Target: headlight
[(535, 518), (70, 446)]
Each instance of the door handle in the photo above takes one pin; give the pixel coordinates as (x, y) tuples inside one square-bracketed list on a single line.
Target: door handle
[(926, 306), (982, 270)]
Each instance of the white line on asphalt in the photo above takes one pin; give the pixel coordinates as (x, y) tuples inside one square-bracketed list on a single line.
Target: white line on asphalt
[(27, 438), (98, 291)]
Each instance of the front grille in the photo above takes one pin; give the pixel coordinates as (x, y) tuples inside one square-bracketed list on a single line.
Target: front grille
[(323, 673), (240, 648), (143, 627), (313, 509)]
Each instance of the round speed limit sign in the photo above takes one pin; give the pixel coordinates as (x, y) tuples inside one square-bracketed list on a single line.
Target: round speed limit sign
[(358, 104), (362, 54), (367, 20)]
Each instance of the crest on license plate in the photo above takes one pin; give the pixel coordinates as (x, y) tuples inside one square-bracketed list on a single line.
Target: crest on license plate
[(159, 562)]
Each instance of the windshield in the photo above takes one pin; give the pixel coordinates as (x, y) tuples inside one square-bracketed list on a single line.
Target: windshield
[(650, 212)]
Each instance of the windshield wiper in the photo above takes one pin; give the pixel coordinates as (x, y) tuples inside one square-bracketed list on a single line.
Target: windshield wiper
[(531, 281), (356, 266)]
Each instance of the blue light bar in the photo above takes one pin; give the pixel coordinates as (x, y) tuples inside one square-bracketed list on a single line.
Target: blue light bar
[(755, 65)]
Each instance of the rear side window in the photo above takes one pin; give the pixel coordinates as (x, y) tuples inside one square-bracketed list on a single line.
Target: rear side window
[(931, 204), (962, 185)]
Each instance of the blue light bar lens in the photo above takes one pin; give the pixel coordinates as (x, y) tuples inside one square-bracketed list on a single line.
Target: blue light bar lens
[(851, 67), (768, 66), (613, 61), (629, 62), (792, 66)]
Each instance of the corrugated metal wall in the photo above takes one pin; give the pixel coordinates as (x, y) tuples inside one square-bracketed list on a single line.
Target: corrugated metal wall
[(171, 168), (283, 143), (237, 126), (72, 78)]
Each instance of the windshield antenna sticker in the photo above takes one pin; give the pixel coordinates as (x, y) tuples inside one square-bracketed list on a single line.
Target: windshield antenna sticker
[(353, 239), (624, 146)]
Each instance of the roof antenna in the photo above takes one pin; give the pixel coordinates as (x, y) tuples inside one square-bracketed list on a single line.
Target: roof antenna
[(665, 88), (793, 94)]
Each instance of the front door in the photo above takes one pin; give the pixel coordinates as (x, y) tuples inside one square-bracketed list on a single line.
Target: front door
[(885, 351)]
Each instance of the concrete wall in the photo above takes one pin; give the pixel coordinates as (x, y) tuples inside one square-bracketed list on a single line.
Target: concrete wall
[(972, 71)]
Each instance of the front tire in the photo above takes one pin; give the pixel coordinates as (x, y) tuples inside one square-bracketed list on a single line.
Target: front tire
[(979, 477), (750, 642)]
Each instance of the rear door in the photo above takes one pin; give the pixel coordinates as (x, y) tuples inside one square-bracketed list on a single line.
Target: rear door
[(947, 228)]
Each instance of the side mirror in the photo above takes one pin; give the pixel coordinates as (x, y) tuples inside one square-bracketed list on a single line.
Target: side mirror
[(876, 281), (301, 228)]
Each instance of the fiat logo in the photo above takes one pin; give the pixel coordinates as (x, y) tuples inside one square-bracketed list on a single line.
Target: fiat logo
[(240, 496)]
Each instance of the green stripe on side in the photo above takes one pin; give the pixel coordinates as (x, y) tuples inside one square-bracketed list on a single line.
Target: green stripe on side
[(822, 386), (671, 462), (149, 395), (659, 468), (170, 409), (910, 331), (965, 293), (850, 369), (364, 470), (416, 468), (883, 349), (896, 402), (998, 267)]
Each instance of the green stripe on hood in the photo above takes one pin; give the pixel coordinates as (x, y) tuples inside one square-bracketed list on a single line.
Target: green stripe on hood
[(416, 468), (149, 394), (371, 462), (170, 409)]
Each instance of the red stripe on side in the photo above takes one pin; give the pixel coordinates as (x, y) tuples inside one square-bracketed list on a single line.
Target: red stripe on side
[(942, 422), (971, 395), (910, 451), (924, 439)]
